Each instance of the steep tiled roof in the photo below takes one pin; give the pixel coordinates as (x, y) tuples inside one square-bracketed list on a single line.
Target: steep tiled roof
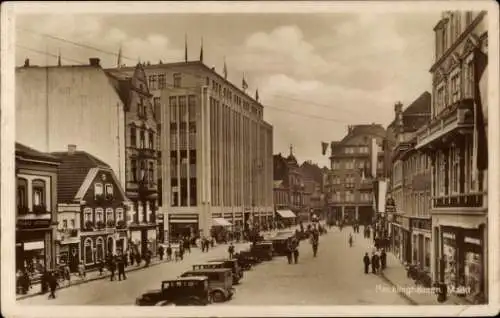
[(72, 171), (418, 113), (30, 153), (122, 85)]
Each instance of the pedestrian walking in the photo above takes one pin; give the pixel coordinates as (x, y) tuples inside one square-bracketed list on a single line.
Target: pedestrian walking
[(112, 268), (131, 257), (138, 258), (230, 250), (315, 241), (121, 267), (366, 261), (374, 263), (350, 240), (169, 252), (383, 259), (160, 252), (289, 250), (81, 270), (295, 245), (181, 252), (53, 284), (101, 267)]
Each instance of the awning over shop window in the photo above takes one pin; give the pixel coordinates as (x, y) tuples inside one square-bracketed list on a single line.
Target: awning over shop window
[(183, 221), (29, 246), (287, 214), (221, 222)]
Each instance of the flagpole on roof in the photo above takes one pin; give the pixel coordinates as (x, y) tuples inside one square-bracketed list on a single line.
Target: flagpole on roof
[(225, 68), (185, 48), (201, 50), (119, 59)]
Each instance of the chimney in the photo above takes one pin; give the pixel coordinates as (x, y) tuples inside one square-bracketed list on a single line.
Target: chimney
[(27, 62), (71, 149), (95, 61)]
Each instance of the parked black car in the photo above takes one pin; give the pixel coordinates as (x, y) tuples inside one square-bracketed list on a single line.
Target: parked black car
[(188, 291)]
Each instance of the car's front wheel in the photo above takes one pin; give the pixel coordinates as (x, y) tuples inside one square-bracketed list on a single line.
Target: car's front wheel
[(218, 296)]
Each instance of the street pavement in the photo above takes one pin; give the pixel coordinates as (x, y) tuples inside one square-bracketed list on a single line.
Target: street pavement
[(105, 292), (335, 277)]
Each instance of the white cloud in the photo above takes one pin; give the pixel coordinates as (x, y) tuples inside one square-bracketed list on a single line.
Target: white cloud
[(88, 30)]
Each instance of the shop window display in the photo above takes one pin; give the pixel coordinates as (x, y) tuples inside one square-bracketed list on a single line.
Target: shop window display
[(450, 256), (34, 262), (473, 272)]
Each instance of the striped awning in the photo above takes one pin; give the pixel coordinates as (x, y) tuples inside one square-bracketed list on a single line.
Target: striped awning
[(287, 214), (221, 222)]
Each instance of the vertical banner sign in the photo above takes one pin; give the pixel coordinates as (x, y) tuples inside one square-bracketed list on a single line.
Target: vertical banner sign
[(382, 190), (373, 157)]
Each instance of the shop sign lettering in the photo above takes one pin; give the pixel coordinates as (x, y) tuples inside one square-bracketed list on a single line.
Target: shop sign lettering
[(33, 223)]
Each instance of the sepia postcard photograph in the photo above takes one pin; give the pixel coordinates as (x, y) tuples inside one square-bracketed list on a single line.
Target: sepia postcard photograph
[(249, 158)]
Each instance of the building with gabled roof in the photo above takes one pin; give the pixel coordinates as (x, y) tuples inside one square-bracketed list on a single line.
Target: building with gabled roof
[(91, 211)]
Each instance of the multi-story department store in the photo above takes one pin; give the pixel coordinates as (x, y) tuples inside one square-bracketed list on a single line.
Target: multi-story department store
[(216, 150)]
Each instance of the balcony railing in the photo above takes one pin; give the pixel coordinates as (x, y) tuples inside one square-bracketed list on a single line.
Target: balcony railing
[(472, 200)]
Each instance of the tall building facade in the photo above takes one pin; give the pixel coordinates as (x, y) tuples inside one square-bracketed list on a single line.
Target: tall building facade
[(141, 164), (411, 186), (455, 141), (349, 188), (216, 150)]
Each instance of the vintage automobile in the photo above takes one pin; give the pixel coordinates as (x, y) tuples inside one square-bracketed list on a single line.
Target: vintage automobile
[(185, 291), (220, 282), (263, 250), (246, 259), (209, 265), (233, 265), (280, 242)]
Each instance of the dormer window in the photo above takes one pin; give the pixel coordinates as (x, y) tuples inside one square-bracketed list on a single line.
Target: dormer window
[(98, 190), (109, 191)]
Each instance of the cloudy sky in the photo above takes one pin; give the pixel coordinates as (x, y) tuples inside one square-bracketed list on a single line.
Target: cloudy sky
[(316, 73)]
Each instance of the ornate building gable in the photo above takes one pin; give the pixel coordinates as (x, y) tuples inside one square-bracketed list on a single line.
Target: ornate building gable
[(471, 43)]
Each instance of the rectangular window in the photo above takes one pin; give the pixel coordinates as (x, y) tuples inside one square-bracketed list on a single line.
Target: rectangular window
[(140, 107), (133, 137), (22, 195), (468, 18), (152, 82), (161, 81), (192, 108), (173, 109), (455, 87), (151, 139), (182, 109), (133, 164), (142, 141), (98, 189), (177, 80), (109, 189), (151, 173), (73, 224), (65, 224), (469, 79), (38, 193)]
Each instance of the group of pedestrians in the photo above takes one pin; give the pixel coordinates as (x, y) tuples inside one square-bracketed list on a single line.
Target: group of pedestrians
[(206, 243), (378, 261), (367, 231), (355, 227), (114, 263)]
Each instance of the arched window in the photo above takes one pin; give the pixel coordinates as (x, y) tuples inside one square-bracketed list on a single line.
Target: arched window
[(110, 245), (88, 251), (100, 248), (119, 214), (38, 192), (99, 215), (109, 215)]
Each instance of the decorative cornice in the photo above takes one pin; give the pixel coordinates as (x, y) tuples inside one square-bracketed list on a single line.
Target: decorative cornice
[(459, 40)]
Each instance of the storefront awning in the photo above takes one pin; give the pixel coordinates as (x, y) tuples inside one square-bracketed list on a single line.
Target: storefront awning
[(183, 221), (221, 222), (287, 214), (29, 246)]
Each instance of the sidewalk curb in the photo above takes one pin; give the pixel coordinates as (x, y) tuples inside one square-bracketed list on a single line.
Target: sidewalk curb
[(400, 293), (80, 282)]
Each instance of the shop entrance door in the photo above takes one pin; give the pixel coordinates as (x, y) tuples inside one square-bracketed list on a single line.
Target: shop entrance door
[(73, 258), (144, 241)]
